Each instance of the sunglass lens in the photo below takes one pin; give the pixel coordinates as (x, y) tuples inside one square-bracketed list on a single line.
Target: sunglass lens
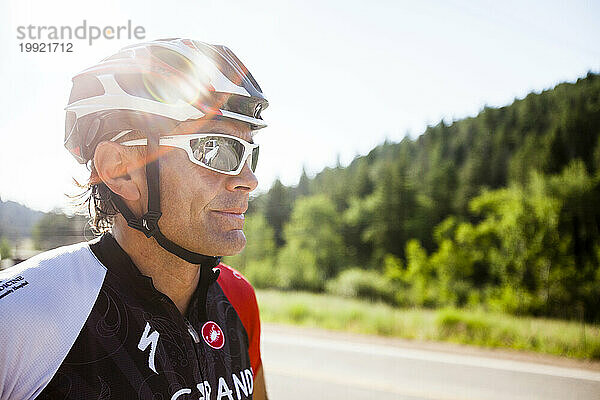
[(221, 153), (254, 159)]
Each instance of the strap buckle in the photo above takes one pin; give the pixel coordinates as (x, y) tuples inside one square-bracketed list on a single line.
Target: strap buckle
[(148, 224)]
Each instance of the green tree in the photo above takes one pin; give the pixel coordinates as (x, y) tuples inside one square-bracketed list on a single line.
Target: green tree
[(314, 250), (391, 213), (420, 275), (5, 248), (278, 208), (303, 188), (534, 250)]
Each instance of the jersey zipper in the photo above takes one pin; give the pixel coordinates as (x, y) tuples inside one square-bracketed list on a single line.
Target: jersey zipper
[(198, 350), (192, 331), (190, 328)]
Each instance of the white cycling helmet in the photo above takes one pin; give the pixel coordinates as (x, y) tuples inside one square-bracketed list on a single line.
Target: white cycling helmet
[(176, 79)]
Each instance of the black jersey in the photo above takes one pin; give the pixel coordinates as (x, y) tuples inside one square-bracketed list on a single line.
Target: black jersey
[(81, 322)]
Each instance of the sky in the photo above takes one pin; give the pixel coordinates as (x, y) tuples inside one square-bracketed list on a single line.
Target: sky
[(341, 77)]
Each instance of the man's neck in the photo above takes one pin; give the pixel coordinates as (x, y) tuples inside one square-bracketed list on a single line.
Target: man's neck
[(170, 275)]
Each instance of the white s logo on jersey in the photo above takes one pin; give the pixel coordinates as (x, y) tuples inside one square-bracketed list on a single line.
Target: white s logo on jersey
[(149, 339)]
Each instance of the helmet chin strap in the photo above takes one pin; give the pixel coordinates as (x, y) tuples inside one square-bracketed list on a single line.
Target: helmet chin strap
[(148, 223)]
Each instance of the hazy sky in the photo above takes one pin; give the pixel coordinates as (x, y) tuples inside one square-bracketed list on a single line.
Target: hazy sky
[(341, 76)]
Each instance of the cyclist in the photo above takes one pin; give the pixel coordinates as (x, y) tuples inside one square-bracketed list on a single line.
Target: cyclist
[(147, 310)]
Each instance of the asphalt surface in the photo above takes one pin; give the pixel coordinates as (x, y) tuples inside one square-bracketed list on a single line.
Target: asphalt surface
[(312, 364)]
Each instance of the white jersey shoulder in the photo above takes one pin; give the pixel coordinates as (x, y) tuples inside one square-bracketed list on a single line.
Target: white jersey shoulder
[(44, 303)]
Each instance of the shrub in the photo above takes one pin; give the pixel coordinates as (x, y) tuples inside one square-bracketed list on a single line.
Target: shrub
[(298, 312), (261, 273), (356, 282), (5, 248), (460, 325), (297, 269)]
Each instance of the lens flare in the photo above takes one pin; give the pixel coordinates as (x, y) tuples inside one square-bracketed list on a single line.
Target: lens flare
[(176, 78)]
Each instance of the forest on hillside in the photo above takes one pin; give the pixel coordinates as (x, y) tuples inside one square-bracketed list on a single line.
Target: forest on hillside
[(500, 211)]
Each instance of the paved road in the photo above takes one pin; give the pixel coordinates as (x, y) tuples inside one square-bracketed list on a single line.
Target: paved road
[(309, 365)]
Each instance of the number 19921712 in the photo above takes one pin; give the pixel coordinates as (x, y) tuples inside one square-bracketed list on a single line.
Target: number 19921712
[(48, 47)]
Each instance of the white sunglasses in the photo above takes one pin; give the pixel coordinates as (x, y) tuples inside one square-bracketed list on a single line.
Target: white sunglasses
[(216, 151)]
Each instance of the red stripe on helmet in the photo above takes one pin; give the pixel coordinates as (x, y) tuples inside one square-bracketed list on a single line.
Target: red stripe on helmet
[(206, 109)]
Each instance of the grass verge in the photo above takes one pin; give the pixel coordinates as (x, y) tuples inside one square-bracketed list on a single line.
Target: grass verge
[(564, 338)]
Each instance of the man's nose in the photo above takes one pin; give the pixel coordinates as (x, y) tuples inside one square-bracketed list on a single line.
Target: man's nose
[(245, 180)]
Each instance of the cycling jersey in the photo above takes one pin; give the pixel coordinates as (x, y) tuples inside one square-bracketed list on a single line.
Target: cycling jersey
[(81, 322)]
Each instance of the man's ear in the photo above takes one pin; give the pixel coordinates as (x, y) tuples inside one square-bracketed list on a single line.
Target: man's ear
[(120, 169)]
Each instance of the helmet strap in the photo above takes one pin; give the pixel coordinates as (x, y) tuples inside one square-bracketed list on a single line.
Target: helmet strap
[(148, 223)]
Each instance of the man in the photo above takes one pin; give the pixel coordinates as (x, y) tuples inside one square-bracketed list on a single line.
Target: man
[(147, 310)]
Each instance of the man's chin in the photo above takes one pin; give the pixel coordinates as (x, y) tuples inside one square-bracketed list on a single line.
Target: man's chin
[(233, 243)]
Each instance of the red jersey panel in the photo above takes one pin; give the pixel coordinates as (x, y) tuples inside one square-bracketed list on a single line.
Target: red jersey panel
[(241, 295)]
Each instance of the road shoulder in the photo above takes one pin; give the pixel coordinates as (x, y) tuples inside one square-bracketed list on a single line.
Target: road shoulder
[(444, 347)]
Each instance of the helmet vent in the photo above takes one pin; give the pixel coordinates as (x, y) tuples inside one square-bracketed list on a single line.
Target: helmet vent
[(133, 84), (85, 86)]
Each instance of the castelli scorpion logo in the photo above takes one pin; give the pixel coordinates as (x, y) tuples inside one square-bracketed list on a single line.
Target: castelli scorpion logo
[(213, 335)]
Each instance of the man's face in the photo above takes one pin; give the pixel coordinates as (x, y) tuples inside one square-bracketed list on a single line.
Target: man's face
[(203, 210)]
